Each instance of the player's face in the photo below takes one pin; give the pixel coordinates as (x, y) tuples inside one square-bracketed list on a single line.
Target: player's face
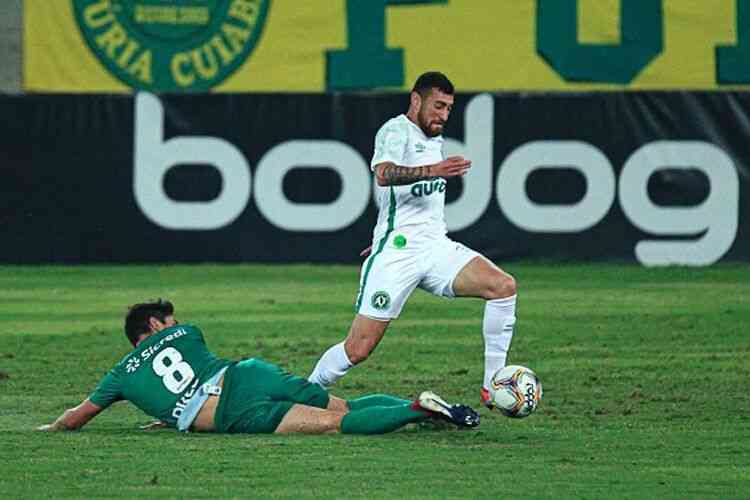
[(434, 111)]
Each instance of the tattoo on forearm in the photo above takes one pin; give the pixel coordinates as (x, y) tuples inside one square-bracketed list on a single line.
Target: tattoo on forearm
[(396, 175)]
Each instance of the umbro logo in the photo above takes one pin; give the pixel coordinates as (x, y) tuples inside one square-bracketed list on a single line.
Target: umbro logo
[(419, 147)]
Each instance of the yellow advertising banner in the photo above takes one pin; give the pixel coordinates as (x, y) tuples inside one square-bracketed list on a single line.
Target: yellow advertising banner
[(339, 45)]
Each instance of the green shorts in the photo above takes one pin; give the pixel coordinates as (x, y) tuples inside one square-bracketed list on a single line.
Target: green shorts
[(256, 395)]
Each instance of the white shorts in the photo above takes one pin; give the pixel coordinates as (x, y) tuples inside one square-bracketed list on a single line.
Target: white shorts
[(391, 273)]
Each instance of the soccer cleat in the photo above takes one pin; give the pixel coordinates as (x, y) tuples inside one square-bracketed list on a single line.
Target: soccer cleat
[(460, 415), (484, 395)]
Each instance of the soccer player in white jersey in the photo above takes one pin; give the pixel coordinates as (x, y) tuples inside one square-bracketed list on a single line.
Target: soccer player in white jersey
[(410, 248)]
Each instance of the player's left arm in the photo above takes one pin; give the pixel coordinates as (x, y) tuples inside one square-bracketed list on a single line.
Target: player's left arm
[(156, 424), (74, 418)]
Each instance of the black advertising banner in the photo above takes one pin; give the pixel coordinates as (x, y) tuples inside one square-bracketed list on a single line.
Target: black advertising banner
[(657, 178)]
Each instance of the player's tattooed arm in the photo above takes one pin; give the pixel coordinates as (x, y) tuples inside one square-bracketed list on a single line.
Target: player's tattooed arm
[(390, 174)]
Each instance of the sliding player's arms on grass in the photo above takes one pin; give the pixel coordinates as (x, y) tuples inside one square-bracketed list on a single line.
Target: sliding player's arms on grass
[(156, 424), (74, 418), (390, 174)]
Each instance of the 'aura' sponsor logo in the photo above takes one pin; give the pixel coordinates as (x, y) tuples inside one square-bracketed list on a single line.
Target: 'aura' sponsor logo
[(171, 45), (426, 188)]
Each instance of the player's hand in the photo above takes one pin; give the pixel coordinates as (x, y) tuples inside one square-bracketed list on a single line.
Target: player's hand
[(156, 424), (451, 167), (367, 251), (48, 428)]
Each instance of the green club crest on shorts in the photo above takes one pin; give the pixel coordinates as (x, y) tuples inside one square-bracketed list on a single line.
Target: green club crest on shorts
[(381, 300), (171, 45)]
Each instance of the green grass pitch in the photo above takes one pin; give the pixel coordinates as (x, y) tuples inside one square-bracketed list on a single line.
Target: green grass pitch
[(645, 375)]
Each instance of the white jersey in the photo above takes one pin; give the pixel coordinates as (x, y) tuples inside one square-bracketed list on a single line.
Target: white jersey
[(413, 210)]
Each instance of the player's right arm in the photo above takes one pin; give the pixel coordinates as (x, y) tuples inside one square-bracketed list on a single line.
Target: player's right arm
[(390, 174), (390, 148), (107, 392), (74, 418)]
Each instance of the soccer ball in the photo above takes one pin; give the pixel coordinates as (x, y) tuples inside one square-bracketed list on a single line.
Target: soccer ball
[(516, 391)]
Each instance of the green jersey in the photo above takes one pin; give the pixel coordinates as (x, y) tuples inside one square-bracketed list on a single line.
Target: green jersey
[(161, 374)]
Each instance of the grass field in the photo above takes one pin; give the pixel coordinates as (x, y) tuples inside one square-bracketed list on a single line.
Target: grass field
[(645, 375)]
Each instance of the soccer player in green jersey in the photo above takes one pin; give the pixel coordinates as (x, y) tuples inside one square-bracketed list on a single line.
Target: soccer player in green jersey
[(172, 376)]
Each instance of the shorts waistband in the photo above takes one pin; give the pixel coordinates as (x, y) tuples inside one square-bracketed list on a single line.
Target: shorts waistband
[(194, 405)]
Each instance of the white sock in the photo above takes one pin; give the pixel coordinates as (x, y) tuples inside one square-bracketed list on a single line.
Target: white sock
[(497, 329), (332, 365)]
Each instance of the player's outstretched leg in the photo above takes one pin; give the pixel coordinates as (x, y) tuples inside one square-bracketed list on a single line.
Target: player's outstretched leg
[(376, 400), (375, 419), (304, 419), (382, 419), (497, 329), (460, 415)]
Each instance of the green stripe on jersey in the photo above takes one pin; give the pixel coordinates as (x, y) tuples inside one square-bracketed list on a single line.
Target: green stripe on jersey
[(381, 245)]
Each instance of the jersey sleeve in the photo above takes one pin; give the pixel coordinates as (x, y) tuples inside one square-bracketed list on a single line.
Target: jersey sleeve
[(108, 391), (390, 144)]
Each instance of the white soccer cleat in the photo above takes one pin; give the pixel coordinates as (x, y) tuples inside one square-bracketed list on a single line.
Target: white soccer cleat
[(434, 403), (461, 415)]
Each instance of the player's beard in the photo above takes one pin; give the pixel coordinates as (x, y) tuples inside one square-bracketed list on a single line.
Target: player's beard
[(426, 125)]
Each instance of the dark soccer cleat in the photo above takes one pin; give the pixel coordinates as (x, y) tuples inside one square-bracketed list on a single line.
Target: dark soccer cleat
[(460, 415), (484, 396)]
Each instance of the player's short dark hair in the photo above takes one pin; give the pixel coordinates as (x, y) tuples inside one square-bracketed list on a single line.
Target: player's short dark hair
[(432, 80), (137, 319)]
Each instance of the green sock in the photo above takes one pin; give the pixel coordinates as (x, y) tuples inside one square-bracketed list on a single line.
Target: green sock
[(376, 400), (380, 419)]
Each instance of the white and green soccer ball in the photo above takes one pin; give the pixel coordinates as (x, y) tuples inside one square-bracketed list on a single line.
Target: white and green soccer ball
[(516, 391)]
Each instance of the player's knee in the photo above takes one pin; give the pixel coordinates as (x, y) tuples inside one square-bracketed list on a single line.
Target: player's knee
[(332, 421), (501, 285)]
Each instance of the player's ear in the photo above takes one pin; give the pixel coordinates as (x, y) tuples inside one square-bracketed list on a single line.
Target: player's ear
[(415, 100), (154, 324)]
